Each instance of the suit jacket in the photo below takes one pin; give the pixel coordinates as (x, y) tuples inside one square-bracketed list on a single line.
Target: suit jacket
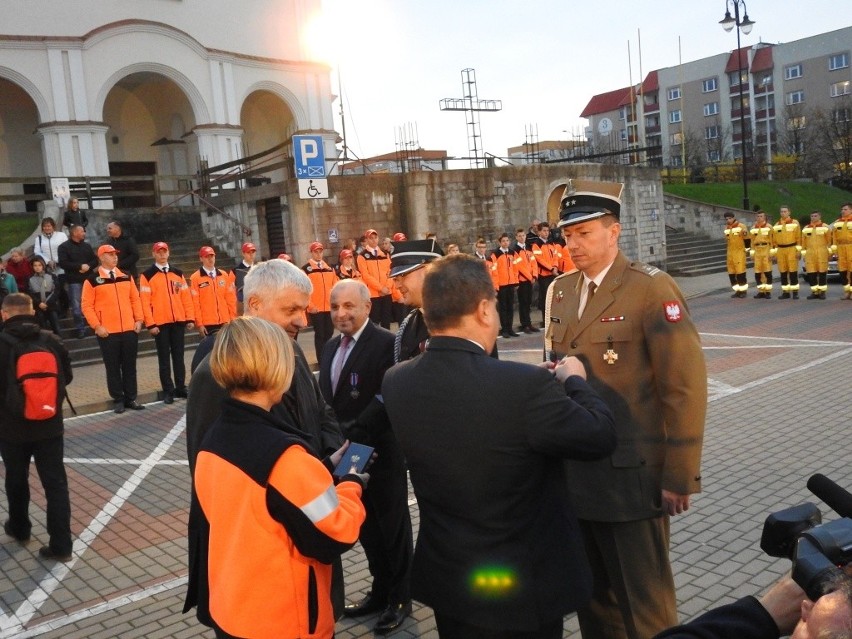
[(484, 440), (656, 387)]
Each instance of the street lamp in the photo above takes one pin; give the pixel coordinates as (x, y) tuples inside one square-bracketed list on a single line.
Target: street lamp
[(745, 25)]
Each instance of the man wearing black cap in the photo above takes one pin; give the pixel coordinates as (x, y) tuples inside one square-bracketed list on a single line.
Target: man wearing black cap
[(629, 324)]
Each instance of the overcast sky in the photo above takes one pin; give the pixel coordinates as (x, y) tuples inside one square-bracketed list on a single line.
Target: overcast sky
[(543, 58)]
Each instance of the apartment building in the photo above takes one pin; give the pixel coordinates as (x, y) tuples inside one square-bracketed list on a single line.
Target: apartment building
[(706, 111)]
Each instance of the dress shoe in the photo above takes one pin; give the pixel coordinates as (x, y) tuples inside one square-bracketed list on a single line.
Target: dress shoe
[(531, 329), (134, 405), (8, 530), (514, 334), (813, 296), (366, 606), (822, 296), (392, 617), (505, 334), (181, 392), (46, 552), (118, 407), (168, 398), (784, 296), (795, 295)]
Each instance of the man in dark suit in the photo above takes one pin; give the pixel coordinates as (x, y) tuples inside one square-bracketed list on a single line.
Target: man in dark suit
[(351, 371), (498, 554)]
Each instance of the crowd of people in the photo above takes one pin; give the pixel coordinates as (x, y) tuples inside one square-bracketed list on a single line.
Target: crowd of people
[(786, 243), (542, 490)]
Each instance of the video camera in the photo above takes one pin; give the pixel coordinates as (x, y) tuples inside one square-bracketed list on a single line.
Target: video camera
[(818, 550)]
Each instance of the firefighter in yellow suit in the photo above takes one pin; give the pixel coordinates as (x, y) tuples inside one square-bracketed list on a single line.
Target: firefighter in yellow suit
[(786, 244), (737, 237), (816, 240)]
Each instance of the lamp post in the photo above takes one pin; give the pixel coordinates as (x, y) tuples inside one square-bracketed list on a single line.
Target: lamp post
[(745, 25)]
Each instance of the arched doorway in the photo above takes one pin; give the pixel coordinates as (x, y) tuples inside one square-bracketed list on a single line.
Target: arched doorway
[(149, 117), (20, 148), (266, 121)]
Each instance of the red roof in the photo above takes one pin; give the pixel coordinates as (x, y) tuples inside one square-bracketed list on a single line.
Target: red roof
[(732, 60), (762, 60), (651, 83), (606, 102)]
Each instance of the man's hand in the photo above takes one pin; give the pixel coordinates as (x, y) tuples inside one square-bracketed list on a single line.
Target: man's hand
[(137, 327), (85, 268), (202, 330), (100, 331), (674, 503), (568, 366), (154, 330), (783, 602)]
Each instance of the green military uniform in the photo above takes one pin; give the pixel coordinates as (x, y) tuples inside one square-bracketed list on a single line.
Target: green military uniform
[(643, 356)]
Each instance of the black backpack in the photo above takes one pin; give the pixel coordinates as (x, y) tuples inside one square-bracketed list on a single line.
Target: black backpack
[(34, 390)]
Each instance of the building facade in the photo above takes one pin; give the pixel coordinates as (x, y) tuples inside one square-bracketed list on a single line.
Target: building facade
[(147, 87), (787, 98)]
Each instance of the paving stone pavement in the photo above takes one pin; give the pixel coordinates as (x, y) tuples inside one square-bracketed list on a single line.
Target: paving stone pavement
[(775, 417)]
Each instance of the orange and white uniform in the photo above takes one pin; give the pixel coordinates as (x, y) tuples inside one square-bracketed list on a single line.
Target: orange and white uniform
[(214, 298)]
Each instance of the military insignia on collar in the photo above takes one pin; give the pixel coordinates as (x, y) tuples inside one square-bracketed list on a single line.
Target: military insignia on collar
[(559, 296), (99, 280), (309, 268), (673, 311)]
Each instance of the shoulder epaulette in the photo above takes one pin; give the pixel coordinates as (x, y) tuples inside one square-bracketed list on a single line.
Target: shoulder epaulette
[(647, 269)]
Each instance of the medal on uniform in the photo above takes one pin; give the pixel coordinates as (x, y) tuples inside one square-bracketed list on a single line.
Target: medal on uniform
[(353, 382), (610, 357), (559, 296)]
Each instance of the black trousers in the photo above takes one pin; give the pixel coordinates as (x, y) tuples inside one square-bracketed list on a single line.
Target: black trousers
[(506, 306), (323, 330), (386, 533), (119, 353), (47, 454), (170, 343), (524, 303), (381, 312), (451, 628)]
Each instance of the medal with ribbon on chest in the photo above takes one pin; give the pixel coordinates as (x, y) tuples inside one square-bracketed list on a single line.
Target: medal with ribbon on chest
[(353, 382)]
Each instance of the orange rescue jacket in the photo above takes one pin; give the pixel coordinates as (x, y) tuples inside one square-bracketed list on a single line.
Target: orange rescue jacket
[(165, 297), (322, 277), (113, 304), (503, 271), (214, 299), (374, 271)]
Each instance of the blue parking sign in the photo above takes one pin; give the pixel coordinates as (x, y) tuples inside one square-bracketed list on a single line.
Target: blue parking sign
[(309, 156)]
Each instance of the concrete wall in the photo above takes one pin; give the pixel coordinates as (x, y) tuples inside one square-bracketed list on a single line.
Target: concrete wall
[(698, 217)]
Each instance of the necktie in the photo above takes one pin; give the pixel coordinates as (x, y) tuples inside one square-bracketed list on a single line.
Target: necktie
[(165, 269), (112, 275), (345, 341), (590, 293)]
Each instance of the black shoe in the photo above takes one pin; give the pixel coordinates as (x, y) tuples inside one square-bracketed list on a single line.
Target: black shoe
[(181, 392), (46, 552), (758, 296), (168, 398), (795, 296), (531, 329), (822, 296), (505, 334), (118, 407), (813, 296), (8, 530), (735, 294), (392, 617), (767, 296), (514, 334), (134, 405), (366, 606), (784, 296)]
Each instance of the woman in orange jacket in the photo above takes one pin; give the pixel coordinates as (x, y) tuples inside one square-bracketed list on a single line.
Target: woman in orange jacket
[(270, 516)]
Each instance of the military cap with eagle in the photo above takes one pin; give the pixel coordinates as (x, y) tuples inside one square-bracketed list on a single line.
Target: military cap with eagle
[(413, 254), (585, 200)]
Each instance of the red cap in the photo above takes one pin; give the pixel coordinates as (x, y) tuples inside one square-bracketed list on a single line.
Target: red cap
[(345, 253), (315, 246), (399, 237), (206, 251), (285, 257), (106, 248), (370, 232), (248, 246), (159, 246)]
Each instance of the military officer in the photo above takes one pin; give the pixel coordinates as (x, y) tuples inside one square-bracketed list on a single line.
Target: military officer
[(761, 245), (629, 324), (842, 229), (736, 235), (816, 240), (786, 244)]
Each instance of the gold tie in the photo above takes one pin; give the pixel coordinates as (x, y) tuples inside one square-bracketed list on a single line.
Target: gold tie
[(590, 293)]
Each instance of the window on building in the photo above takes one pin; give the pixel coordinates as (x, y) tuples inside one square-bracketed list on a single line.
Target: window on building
[(676, 138), (841, 88), (841, 115), (838, 61), (793, 71), (677, 161), (710, 84), (794, 97), (675, 116), (735, 78), (735, 103), (713, 156), (796, 147), (711, 108), (796, 123), (711, 132), (623, 134), (674, 93)]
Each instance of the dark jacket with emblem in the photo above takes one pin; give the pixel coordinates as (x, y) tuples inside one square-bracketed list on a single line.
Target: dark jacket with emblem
[(657, 387)]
